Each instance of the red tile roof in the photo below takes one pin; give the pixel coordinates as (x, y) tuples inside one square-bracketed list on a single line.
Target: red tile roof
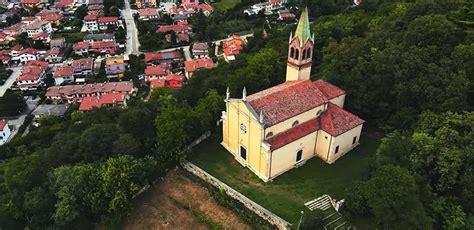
[(30, 1), (30, 73), (41, 35), (162, 56), (336, 120), (36, 25), (286, 100), (29, 51), (90, 17), (175, 28), (328, 89), (88, 103), (80, 45), (148, 12), (157, 83), (97, 45), (109, 87), (174, 77), (3, 123), (82, 64), (155, 70), (42, 64), (193, 65), (293, 134), (64, 71), (107, 19)]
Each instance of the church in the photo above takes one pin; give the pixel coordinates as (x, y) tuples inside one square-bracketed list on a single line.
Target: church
[(282, 127)]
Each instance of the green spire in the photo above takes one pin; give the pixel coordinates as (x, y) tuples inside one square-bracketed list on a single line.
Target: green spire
[(302, 31)]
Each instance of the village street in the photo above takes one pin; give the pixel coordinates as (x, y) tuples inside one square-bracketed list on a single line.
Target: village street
[(132, 46), (10, 80)]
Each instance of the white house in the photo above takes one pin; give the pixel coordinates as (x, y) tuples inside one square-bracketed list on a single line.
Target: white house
[(28, 54), (63, 74), (38, 27), (5, 131)]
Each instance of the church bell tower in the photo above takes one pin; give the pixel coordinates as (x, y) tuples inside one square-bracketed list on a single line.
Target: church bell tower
[(300, 51)]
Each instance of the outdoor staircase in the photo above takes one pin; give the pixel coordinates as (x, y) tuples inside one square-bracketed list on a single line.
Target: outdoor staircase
[(334, 220), (322, 202)]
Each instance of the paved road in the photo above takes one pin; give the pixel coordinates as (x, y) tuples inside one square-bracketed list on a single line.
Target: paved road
[(10, 80), (132, 33), (18, 121), (186, 49)]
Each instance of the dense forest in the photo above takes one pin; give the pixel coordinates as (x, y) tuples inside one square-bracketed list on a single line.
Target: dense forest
[(407, 67)]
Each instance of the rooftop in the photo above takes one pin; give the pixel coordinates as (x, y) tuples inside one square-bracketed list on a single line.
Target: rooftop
[(286, 100), (53, 109), (193, 65)]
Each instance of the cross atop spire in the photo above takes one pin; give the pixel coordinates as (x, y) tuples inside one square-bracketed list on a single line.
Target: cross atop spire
[(303, 31)]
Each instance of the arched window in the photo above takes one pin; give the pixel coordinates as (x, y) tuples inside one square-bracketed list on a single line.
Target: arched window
[(304, 54), (297, 54), (299, 155), (308, 53), (270, 134), (295, 124), (292, 52)]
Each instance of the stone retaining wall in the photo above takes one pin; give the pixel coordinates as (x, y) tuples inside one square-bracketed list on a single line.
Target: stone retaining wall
[(254, 207)]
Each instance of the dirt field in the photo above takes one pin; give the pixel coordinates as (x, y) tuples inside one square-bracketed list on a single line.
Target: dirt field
[(179, 203)]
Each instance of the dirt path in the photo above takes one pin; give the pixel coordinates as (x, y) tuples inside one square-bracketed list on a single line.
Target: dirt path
[(179, 203)]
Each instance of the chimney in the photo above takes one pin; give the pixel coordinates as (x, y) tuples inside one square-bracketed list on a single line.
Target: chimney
[(244, 94), (260, 118), (227, 94)]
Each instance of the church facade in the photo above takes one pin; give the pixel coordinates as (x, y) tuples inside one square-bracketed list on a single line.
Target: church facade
[(282, 127)]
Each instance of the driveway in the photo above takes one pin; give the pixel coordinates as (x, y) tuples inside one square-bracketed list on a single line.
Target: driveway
[(10, 80)]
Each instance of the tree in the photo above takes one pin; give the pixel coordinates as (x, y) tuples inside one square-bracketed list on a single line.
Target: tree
[(209, 108), (395, 149), (96, 142), (433, 30), (393, 199), (11, 104), (81, 12), (200, 26)]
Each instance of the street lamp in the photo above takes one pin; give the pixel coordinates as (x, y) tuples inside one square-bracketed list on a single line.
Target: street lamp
[(301, 218)]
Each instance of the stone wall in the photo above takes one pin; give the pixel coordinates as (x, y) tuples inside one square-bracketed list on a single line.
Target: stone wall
[(256, 208)]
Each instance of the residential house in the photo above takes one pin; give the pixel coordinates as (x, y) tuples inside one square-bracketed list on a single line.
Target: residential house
[(182, 28), (28, 54), (39, 26), (57, 110), (64, 5), (148, 14), (30, 4), (109, 99), (99, 38), (145, 3), (5, 131), (59, 42), (200, 50), (103, 47), (52, 16), (31, 78), (96, 10), (54, 55), (285, 14), (82, 68), (163, 57), (171, 81), (43, 37), (191, 66), (206, 9), (75, 93), (81, 48), (154, 72), (290, 123), (105, 22), (63, 74), (115, 66), (90, 23), (232, 46), (5, 39)]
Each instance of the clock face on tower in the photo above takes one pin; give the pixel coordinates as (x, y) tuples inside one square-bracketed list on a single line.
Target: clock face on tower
[(243, 128)]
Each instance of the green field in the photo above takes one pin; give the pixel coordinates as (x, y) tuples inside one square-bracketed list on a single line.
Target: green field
[(224, 5), (286, 195)]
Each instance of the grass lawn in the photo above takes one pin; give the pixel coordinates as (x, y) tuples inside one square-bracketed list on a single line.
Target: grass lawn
[(224, 5), (286, 195)]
